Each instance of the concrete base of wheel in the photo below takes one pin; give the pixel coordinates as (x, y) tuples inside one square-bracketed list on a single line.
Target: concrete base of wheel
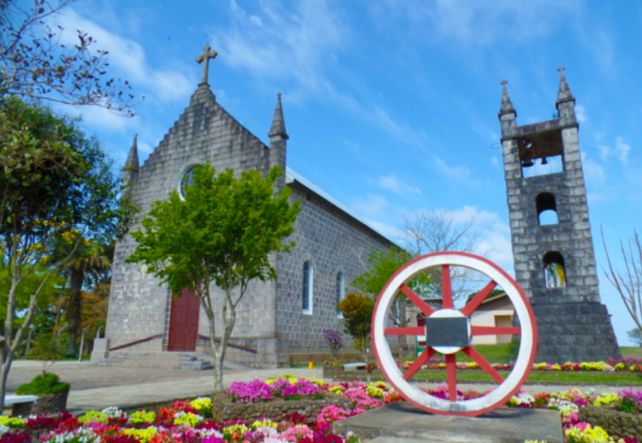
[(404, 423)]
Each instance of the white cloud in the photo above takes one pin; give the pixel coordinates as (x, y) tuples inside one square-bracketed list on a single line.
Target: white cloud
[(490, 232), (127, 57), (459, 174), (393, 184), (384, 228), (289, 45), (372, 206), (580, 113), (593, 172), (621, 150), (477, 23)]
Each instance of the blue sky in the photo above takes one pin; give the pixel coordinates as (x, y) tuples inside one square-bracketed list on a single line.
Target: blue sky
[(391, 106)]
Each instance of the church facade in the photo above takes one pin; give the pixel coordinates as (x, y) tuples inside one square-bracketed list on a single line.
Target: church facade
[(274, 319)]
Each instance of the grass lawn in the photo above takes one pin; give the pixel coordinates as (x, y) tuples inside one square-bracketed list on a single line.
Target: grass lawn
[(536, 377), (631, 351), (501, 353)]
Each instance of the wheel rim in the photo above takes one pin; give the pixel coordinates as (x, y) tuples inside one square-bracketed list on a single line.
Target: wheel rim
[(400, 380)]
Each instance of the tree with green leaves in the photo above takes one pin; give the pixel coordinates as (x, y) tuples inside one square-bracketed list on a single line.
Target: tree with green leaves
[(35, 64), (357, 319), (382, 265), (90, 260), (56, 185), (222, 234)]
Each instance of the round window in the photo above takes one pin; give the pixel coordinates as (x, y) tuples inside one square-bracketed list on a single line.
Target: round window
[(187, 180)]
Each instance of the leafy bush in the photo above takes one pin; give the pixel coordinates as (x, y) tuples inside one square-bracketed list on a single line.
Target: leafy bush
[(43, 384)]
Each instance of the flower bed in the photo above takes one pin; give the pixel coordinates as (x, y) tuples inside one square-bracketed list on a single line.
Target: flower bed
[(586, 418)]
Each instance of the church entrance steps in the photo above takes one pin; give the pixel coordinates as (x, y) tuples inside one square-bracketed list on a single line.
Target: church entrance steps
[(190, 361)]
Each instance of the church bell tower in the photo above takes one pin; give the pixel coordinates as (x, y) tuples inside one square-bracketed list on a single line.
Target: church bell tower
[(551, 233)]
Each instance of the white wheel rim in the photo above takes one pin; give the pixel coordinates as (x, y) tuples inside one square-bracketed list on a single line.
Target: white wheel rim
[(525, 356)]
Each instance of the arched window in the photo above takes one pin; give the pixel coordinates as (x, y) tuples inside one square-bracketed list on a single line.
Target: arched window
[(307, 295), (546, 209), (341, 292), (554, 270)]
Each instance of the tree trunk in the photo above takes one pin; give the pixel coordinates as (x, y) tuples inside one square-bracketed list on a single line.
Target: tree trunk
[(74, 310), (7, 359)]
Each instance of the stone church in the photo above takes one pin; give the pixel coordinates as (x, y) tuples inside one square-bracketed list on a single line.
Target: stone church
[(276, 320)]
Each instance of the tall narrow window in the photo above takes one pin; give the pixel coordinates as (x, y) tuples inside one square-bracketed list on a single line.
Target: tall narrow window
[(341, 292), (306, 296), (546, 209), (554, 270)]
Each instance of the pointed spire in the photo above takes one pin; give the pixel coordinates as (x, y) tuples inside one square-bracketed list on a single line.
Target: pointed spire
[(132, 159), (507, 105), (278, 122), (564, 94)]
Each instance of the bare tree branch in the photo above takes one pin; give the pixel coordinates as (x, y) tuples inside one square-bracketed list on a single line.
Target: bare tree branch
[(627, 283), (35, 64), (437, 231)]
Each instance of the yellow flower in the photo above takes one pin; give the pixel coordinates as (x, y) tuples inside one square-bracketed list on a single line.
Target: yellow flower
[(264, 423), (187, 418), (142, 417), (239, 429), (12, 422), (201, 404), (94, 417), (590, 435), (607, 399), (143, 435)]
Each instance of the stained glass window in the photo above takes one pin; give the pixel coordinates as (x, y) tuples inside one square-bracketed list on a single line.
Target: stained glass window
[(188, 179)]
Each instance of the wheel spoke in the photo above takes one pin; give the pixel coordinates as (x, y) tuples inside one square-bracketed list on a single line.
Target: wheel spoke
[(422, 305), (412, 330), (446, 293), (493, 330), (419, 362), (478, 299), (483, 363), (451, 371)]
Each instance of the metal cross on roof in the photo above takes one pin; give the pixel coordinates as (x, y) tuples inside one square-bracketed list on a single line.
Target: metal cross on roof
[(207, 55)]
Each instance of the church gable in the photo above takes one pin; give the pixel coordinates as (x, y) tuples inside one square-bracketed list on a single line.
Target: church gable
[(204, 132)]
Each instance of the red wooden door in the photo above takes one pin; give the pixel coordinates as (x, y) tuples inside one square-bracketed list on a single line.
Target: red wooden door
[(183, 322)]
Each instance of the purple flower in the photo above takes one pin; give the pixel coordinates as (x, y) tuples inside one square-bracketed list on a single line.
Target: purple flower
[(334, 339), (252, 392)]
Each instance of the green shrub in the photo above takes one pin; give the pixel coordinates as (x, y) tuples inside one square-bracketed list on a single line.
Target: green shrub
[(43, 384)]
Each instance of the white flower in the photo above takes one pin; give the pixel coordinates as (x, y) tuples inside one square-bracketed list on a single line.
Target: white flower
[(204, 433), (112, 411)]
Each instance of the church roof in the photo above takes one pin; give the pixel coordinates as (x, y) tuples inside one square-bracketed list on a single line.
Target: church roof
[(293, 178)]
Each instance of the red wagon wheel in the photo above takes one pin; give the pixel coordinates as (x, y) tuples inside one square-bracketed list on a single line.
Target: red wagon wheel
[(449, 331)]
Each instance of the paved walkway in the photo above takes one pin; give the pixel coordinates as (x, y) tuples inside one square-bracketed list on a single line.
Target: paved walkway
[(96, 387)]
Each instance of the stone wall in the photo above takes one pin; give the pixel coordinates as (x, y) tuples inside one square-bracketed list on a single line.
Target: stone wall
[(616, 423), (224, 409), (332, 242)]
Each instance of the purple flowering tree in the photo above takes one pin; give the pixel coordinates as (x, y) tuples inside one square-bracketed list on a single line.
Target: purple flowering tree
[(334, 339)]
